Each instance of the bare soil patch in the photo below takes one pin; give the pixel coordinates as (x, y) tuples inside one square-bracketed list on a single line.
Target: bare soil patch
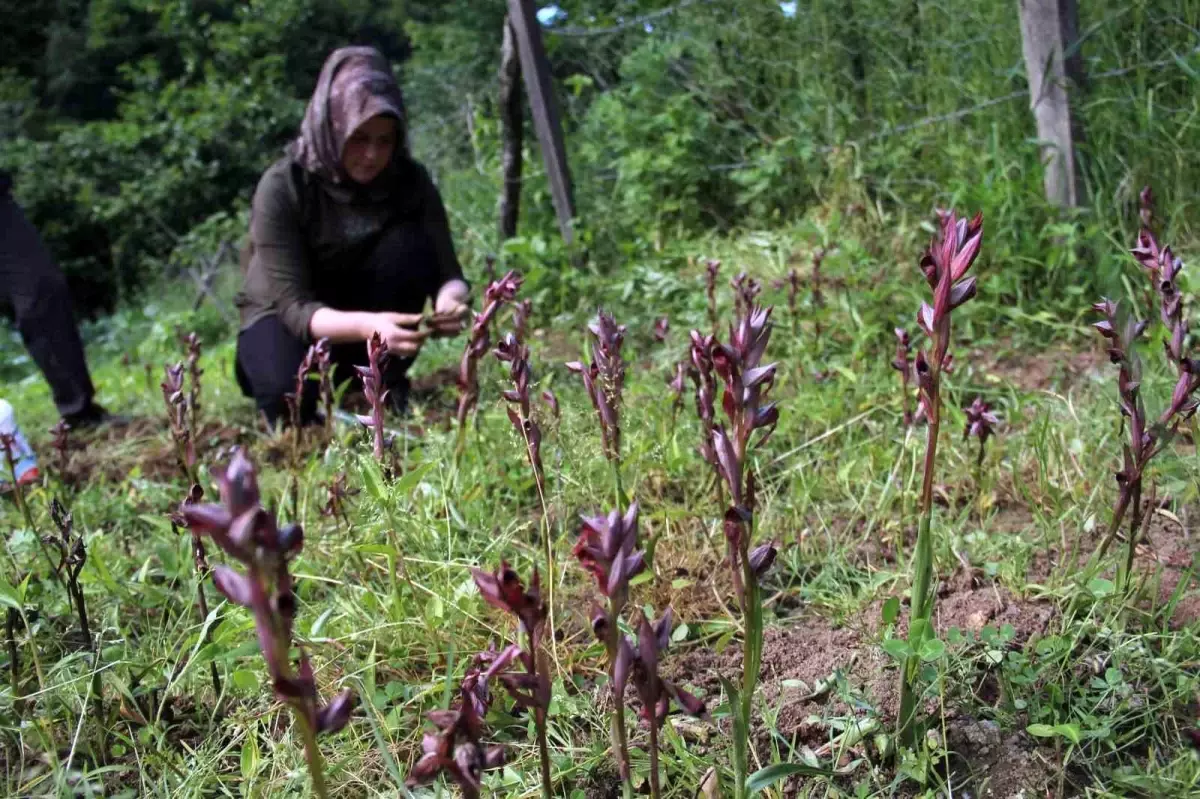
[(1059, 367), (815, 673), (999, 764), (1170, 547)]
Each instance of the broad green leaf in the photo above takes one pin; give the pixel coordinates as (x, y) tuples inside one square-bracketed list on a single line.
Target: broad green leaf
[(376, 549), (412, 478), (644, 577), (918, 631), (897, 648), (319, 624), (368, 674), (435, 608), (1069, 731), (250, 755), (1100, 587), (9, 596), (373, 480), (773, 774), (846, 373), (244, 680), (932, 649), (891, 610), (1041, 730), (731, 691)]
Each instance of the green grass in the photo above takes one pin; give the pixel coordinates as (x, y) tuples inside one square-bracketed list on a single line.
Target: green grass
[(838, 486)]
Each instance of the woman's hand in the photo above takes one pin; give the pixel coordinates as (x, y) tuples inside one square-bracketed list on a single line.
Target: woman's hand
[(450, 310), (400, 332)]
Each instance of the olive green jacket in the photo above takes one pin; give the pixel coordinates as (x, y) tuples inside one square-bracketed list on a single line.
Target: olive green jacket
[(302, 225)]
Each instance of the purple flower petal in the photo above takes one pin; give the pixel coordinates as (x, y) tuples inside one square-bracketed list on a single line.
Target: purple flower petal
[(235, 587), (207, 519), (692, 705), (334, 716), (620, 669), (762, 557)]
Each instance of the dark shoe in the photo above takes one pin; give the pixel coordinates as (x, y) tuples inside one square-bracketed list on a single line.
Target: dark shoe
[(94, 416)]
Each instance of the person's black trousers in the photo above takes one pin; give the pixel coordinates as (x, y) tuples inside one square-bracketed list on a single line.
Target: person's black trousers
[(398, 274), (33, 286)]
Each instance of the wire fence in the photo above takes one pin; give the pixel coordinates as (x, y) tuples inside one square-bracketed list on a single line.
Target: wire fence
[(704, 112)]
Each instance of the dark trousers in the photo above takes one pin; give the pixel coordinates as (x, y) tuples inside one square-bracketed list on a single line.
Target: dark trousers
[(36, 289), (398, 274)]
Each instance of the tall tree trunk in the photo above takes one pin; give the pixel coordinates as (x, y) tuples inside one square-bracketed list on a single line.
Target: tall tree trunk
[(511, 132), (1049, 42)]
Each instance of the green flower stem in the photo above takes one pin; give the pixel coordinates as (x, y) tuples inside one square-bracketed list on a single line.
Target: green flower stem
[(312, 753), (654, 789), (1135, 530), (921, 600), (618, 719), (751, 663)]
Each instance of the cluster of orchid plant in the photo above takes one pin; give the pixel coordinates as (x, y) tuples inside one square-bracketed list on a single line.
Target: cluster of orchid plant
[(495, 296), (323, 354), (903, 364), (712, 268), (248, 533), (608, 550), (662, 328), (374, 391), (194, 349), (60, 442), (747, 382), (944, 265), (529, 686), (745, 292), (180, 403), (296, 400), (792, 283), (981, 425), (176, 400), (1147, 436), (604, 381), (513, 352), (521, 313), (456, 748), (72, 556), (704, 378), (337, 496)]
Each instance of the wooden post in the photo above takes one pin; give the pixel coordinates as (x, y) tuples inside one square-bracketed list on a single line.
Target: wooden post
[(511, 132), (536, 69), (1049, 38)]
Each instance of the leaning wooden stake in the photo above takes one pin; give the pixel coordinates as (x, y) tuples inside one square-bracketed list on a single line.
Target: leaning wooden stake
[(535, 66)]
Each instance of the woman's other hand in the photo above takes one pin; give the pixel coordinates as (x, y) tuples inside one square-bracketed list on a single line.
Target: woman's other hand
[(399, 331), (450, 311)]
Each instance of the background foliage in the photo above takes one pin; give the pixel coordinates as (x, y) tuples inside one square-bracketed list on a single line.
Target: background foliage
[(131, 122)]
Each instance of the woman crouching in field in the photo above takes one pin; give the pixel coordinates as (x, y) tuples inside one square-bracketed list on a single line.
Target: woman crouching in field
[(348, 237)]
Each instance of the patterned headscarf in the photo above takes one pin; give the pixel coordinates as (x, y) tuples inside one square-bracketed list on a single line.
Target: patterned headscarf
[(355, 85)]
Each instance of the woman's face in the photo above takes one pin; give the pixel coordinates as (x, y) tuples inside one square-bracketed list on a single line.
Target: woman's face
[(369, 149)]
